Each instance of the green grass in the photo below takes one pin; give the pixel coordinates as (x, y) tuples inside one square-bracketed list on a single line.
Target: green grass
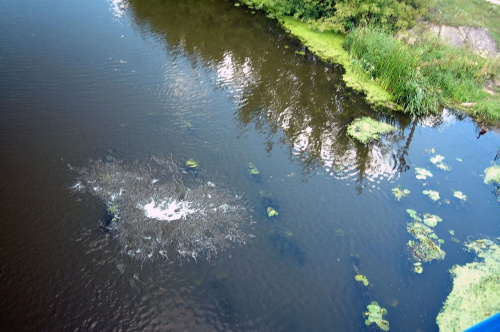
[(425, 74), (477, 13), (419, 75)]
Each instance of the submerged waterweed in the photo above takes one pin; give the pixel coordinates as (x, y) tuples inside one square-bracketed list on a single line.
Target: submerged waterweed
[(434, 195), (375, 315), (361, 278), (252, 169), (400, 193), (422, 173), (366, 129)]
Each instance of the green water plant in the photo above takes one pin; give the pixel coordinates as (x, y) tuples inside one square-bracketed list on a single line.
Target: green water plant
[(191, 163), (434, 195), (417, 268), (375, 314), (271, 212), (413, 214), (400, 193), (426, 246), (492, 174), (252, 169), (366, 129), (431, 220), (460, 195), (361, 278), (443, 167), (476, 289), (438, 161), (422, 173)]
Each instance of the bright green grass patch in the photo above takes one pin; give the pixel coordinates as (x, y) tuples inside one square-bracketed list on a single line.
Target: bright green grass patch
[(329, 47), (424, 74)]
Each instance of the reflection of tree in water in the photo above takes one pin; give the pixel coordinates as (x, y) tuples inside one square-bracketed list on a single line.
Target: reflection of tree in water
[(290, 98)]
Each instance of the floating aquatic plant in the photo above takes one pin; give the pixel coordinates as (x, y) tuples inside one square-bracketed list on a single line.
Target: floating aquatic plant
[(492, 174), (437, 159), (417, 267), (252, 169), (366, 129), (476, 289), (400, 193), (434, 195), (443, 167), (413, 214), (426, 246), (422, 173), (361, 278), (271, 212), (460, 195), (375, 315), (191, 163), (431, 220)]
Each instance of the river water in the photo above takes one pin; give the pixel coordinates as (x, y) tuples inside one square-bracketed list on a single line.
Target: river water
[(104, 227)]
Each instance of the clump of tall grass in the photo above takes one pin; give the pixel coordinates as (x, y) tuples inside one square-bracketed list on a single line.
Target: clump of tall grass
[(394, 67), (424, 74)]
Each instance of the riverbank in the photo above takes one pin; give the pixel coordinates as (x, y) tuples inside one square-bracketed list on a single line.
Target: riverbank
[(423, 75)]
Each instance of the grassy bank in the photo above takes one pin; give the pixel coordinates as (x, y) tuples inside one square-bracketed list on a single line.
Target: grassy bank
[(420, 75)]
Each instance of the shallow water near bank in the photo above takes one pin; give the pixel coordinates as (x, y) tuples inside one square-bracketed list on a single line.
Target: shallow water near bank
[(120, 95)]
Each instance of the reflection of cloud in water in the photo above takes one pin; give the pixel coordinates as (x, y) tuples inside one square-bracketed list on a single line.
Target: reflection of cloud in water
[(118, 7), (382, 161), (158, 212), (235, 75)]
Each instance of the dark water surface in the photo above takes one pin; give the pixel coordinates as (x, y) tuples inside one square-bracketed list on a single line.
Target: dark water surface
[(131, 83)]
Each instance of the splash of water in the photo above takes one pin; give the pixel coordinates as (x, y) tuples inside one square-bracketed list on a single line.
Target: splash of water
[(157, 211)]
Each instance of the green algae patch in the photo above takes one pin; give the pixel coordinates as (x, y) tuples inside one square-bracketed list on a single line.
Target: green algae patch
[(375, 314), (492, 174), (476, 289), (366, 129), (362, 278), (329, 46), (400, 193)]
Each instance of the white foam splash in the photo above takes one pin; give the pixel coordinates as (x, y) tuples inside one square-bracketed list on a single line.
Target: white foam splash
[(168, 210)]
